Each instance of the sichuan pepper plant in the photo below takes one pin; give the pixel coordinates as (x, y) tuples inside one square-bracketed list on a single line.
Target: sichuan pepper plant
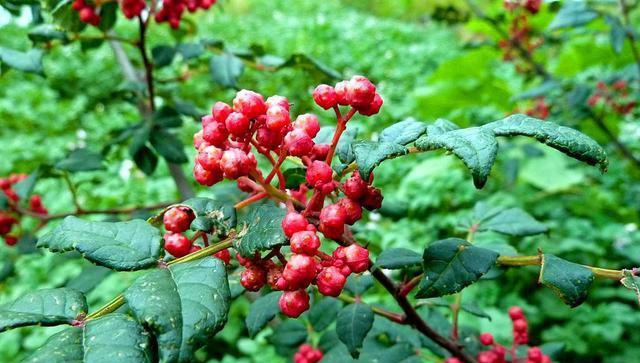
[(291, 236)]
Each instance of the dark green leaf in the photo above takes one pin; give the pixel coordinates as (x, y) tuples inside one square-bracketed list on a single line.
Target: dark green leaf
[(62, 347), (108, 15), (260, 229), (353, 324), (219, 216), (24, 187), (344, 151), (305, 62), (398, 258), (43, 307), (169, 146), (81, 160), (324, 312), (121, 246), (294, 177), (46, 33), (369, 154), (573, 14), (262, 311), (146, 160), (162, 55), (570, 281), (88, 278), (167, 117), (289, 334), (184, 305), (29, 61), (226, 69), (553, 349), (452, 264), (403, 132), (357, 284), (476, 147), (617, 33), (514, 222)]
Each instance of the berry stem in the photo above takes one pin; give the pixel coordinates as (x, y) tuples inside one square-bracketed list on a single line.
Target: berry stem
[(340, 127), (252, 199), (407, 287)]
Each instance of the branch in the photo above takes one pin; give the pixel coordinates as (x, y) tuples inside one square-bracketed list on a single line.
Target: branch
[(518, 261), (395, 317)]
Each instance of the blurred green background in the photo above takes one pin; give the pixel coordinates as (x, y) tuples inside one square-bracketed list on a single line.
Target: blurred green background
[(430, 59)]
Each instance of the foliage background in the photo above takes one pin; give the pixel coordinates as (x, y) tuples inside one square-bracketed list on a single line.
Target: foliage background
[(425, 68)]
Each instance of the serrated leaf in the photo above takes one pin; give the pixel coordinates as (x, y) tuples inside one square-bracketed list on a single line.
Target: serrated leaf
[(475, 146), (225, 69), (398, 258), (43, 307), (260, 229), (81, 160), (212, 214), (353, 323), (169, 146), (184, 305), (121, 246), (29, 61), (570, 281), (162, 55), (403, 132), (112, 338), (567, 140), (513, 222), (452, 264), (262, 311), (324, 312), (369, 154), (573, 14)]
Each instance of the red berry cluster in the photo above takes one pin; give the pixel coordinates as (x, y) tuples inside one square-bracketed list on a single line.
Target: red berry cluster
[(520, 36), (307, 354), (177, 221), (171, 11), (498, 353), (11, 216), (540, 109), (532, 6), (618, 96), (226, 144)]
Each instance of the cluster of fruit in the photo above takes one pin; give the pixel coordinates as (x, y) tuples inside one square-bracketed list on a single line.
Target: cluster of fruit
[(539, 109), (10, 217), (618, 96), (307, 354), (520, 36)]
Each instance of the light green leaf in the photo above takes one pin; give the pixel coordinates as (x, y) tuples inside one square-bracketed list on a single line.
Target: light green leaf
[(573, 14), (225, 69), (570, 281), (29, 61), (403, 132)]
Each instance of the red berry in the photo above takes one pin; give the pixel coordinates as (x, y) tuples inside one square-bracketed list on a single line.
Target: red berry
[(78, 5), (35, 204), (325, 96), (332, 220), (209, 158), (298, 143), (235, 163), (198, 139), (487, 357), (355, 188), (372, 199), (294, 303), (277, 118), (250, 103), (533, 6), (306, 354), (360, 92), (274, 273), (486, 339), (86, 14), (318, 174), (372, 108), (516, 313), (309, 123), (268, 139), (10, 240), (293, 222), (178, 219), (352, 209), (237, 124), (341, 92), (11, 194), (305, 242), (330, 281), (452, 360), (520, 326), (253, 278), (221, 111), (534, 354), (357, 258), (215, 133), (177, 244), (206, 177), (299, 271), (320, 151), (277, 101)]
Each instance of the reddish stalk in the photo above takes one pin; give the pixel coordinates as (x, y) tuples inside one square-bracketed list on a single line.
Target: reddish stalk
[(252, 199)]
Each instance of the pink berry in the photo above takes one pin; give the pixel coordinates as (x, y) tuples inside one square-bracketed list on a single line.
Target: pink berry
[(352, 209), (299, 271), (277, 118), (223, 255), (293, 222), (198, 139), (332, 220), (253, 278), (206, 177), (320, 151), (372, 108), (360, 91), (221, 111), (486, 339), (309, 123), (274, 274), (452, 360), (235, 163), (237, 124), (372, 199), (341, 92), (294, 303), (305, 242), (535, 354), (319, 173), (330, 281), (209, 157), (177, 244), (357, 258), (325, 96), (276, 100), (215, 133), (355, 188), (250, 103), (298, 143), (520, 326), (515, 313), (268, 139), (178, 219)]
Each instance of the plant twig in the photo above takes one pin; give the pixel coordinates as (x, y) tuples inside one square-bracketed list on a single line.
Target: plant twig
[(518, 261), (395, 317)]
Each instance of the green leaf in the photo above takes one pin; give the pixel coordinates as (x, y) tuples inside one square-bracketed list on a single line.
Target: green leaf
[(570, 281), (324, 312), (184, 305), (617, 34), (88, 278), (24, 187), (108, 16), (121, 246), (262, 311), (513, 222), (162, 55), (260, 229), (357, 284), (294, 177), (47, 33), (475, 146), (403, 132), (452, 264), (369, 154), (43, 307), (146, 160), (631, 282), (29, 61), (573, 14), (398, 258), (567, 140), (353, 324), (169, 146), (226, 69), (190, 50), (307, 63), (113, 338), (215, 216), (288, 336), (167, 117), (344, 150), (81, 160)]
